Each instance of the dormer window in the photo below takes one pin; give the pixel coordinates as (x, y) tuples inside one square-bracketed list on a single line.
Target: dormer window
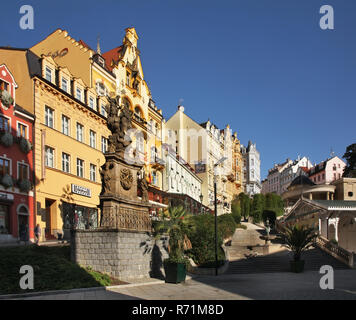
[(64, 84), (48, 74), (79, 94), (91, 102), (101, 61)]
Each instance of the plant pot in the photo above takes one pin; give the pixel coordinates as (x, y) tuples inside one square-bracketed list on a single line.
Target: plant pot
[(297, 266), (175, 272)]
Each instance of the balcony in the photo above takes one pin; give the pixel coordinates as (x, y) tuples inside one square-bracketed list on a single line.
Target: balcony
[(157, 163), (142, 122)]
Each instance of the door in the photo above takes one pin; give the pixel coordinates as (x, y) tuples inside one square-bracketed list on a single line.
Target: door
[(23, 227), (49, 230)]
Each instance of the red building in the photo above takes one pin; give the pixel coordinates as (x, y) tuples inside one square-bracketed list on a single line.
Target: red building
[(16, 164)]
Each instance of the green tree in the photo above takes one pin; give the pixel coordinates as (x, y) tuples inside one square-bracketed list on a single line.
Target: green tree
[(258, 205), (350, 157), (236, 210)]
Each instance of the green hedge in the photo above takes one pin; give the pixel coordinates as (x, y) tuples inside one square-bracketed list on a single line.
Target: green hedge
[(202, 237)]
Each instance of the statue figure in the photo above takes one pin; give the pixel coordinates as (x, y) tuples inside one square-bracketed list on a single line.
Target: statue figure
[(106, 177), (144, 187), (118, 124)]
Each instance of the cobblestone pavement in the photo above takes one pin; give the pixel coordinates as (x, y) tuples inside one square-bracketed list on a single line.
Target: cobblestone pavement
[(271, 286)]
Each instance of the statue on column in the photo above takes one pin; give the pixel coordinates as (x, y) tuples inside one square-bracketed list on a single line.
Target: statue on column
[(119, 122)]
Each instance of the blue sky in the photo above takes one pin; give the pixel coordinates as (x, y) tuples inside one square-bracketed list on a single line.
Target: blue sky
[(264, 67)]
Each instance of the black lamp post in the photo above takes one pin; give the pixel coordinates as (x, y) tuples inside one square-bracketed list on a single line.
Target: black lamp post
[(216, 216), (201, 203)]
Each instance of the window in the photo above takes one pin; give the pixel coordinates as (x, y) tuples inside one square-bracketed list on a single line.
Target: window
[(22, 171), (48, 74), (65, 125), (65, 84), (4, 166), (92, 135), (49, 117), (49, 160), (65, 162), (92, 172), (103, 110), (104, 144), (4, 124), (21, 130), (80, 130), (78, 94), (100, 89), (91, 103), (350, 193), (80, 168), (4, 85)]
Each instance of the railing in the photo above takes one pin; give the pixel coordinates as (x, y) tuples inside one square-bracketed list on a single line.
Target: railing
[(334, 250)]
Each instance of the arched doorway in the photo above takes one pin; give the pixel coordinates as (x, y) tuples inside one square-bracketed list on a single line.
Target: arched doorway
[(347, 233), (332, 232)]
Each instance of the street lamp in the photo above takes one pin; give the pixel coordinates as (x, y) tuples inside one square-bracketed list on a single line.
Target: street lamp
[(216, 215), (201, 203)]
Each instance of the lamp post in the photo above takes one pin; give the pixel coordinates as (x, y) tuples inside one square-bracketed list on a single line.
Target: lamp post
[(201, 203), (216, 215)]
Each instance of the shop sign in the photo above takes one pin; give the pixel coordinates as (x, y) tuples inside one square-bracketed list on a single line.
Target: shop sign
[(6, 196), (86, 192)]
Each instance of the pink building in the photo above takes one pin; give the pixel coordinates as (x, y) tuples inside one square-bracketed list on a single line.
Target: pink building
[(327, 171)]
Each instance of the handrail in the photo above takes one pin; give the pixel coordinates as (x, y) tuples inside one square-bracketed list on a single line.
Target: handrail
[(326, 245), (336, 251)]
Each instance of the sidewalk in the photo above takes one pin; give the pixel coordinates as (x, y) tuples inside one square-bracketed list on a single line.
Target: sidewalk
[(271, 286)]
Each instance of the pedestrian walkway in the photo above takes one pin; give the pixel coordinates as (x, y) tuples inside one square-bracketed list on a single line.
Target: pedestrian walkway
[(270, 286)]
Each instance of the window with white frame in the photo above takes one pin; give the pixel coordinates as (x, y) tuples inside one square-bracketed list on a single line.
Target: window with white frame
[(4, 124), (22, 171), (79, 94), (5, 166), (22, 130), (80, 168), (92, 172), (49, 159), (49, 117), (101, 89), (104, 144), (91, 102), (64, 84), (65, 125), (80, 132), (92, 136), (65, 162), (48, 74), (103, 110)]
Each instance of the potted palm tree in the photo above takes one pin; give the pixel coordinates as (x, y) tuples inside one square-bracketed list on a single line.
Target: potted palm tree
[(174, 223), (298, 239)]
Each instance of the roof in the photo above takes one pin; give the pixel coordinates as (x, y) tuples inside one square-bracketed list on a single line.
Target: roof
[(336, 204), (84, 44), (113, 55), (302, 180)]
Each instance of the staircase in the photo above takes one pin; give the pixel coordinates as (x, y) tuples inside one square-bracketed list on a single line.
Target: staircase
[(247, 255)]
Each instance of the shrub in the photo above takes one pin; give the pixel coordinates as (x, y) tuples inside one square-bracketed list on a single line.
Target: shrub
[(7, 139), (24, 185), (25, 145), (6, 98), (227, 225), (7, 181), (202, 237)]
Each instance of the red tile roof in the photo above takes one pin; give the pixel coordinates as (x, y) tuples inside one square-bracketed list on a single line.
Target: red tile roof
[(112, 55)]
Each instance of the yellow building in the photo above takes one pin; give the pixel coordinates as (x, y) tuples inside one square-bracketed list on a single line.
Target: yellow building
[(68, 149)]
